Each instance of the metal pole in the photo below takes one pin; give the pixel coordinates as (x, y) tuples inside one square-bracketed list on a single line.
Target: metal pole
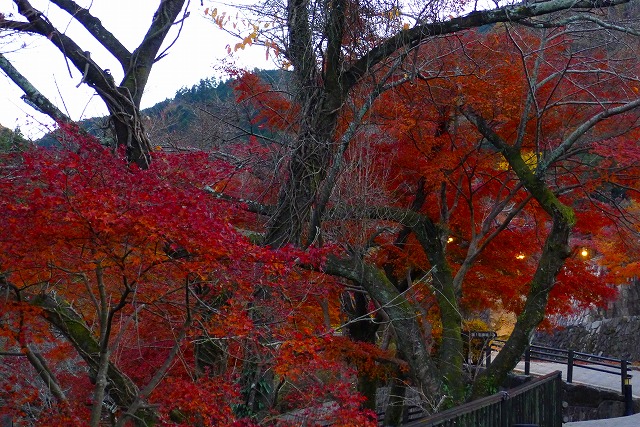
[(570, 366), (527, 361), (628, 397)]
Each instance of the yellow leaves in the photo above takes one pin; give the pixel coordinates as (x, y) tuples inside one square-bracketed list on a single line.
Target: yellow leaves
[(240, 27), (393, 13), (250, 38), (529, 157), (271, 45), (405, 26), (247, 41), (220, 19)]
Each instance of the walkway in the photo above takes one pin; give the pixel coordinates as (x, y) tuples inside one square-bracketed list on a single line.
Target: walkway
[(585, 376), (630, 421)]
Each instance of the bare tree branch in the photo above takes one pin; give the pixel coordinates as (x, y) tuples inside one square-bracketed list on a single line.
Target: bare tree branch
[(97, 30), (32, 95), (416, 35)]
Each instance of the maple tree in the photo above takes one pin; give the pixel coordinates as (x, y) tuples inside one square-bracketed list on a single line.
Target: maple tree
[(130, 294), (333, 70), (480, 155), (494, 201), (332, 50)]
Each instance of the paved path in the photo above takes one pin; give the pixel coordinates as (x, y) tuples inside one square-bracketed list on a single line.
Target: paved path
[(630, 421), (595, 379), (585, 376)]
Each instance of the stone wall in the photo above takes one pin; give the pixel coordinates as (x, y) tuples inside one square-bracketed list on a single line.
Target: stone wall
[(581, 403), (612, 331), (618, 337), (626, 304)]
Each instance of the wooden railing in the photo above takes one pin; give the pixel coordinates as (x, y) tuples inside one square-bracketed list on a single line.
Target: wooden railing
[(537, 403)]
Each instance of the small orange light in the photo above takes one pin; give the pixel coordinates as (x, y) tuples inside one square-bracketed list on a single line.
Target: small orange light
[(584, 252), (520, 256)]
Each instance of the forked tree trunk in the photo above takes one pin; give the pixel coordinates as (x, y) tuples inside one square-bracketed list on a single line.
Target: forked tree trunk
[(409, 338), (122, 101), (556, 250)]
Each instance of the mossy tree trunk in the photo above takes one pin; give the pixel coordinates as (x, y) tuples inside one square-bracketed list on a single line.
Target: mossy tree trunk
[(555, 251), (409, 338)]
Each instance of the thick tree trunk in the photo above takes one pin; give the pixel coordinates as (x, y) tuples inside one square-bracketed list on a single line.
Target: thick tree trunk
[(361, 328), (410, 341), (305, 172), (450, 352), (556, 250), (320, 95), (128, 127)]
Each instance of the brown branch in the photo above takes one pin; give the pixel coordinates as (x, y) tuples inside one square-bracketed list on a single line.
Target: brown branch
[(416, 35), (23, 27), (252, 206), (94, 76), (144, 56), (97, 30), (40, 365)]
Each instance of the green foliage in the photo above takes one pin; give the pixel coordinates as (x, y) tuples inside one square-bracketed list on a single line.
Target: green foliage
[(11, 140), (207, 89)]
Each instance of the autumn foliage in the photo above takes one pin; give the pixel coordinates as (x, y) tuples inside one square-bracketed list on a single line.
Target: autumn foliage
[(157, 252), (424, 143), (157, 278)]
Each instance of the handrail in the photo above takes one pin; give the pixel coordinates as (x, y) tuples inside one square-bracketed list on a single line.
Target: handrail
[(570, 357)]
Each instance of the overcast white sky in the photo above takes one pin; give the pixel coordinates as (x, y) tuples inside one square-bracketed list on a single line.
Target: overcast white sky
[(200, 52)]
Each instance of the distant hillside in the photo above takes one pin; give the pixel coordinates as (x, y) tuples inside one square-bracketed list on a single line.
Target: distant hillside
[(178, 114)]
